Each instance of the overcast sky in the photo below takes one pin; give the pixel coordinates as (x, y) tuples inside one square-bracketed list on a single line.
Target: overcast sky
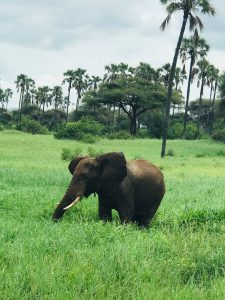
[(44, 38)]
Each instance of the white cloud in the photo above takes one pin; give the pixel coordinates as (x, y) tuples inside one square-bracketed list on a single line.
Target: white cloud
[(45, 38)]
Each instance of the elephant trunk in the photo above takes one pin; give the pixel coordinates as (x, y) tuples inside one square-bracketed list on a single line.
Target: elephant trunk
[(71, 197)]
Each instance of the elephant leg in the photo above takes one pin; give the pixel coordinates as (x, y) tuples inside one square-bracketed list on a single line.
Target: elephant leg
[(143, 219), (125, 214), (105, 213)]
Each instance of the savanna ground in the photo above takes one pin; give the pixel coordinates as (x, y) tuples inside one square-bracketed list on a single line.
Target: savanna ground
[(182, 256)]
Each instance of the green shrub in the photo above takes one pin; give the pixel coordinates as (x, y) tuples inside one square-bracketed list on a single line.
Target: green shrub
[(31, 126), (6, 118), (175, 131), (93, 152), (89, 139), (143, 133), (120, 135), (191, 132), (170, 152), (85, 130), (68, 154), (1, 128), (219, 135)]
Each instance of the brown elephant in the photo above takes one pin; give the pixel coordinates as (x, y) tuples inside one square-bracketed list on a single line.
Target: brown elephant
[(135, 188)]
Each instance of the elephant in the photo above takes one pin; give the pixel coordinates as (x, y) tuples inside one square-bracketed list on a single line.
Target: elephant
[(133, 188)]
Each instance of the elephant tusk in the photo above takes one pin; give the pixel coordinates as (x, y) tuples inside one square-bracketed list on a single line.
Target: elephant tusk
[(72, 204)]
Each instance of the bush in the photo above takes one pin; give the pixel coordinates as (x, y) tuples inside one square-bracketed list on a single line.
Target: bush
[(120, 135), (143, 133), (6, 118), (1, 128), (85, 130), (89, 139), (219, 135), (53, 119), (170, 152), (31, 126), (175, 131), (93, 152), (69, 154)]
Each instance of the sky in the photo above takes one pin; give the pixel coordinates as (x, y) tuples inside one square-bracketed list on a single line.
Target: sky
[(44, 38)]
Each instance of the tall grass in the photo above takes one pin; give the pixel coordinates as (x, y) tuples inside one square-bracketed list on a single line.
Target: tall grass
[(182, 255)]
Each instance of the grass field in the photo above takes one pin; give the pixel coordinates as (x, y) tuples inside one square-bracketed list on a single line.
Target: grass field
[(182, 256)]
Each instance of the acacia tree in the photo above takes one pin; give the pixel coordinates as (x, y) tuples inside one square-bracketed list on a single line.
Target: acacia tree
[(191, 48), (189, 8), (134, 95)]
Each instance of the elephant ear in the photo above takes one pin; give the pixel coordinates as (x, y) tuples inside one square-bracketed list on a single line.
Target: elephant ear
[(74, 162), (113, 170)]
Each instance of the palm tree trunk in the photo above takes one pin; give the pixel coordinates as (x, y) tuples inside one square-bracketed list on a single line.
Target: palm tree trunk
[(94, 110), (170, 86), (213, 104), (187, 98), (18, 119), (200, 107), (21, 105), (78, 99), (210, 107), (68, 101), (113, 116)]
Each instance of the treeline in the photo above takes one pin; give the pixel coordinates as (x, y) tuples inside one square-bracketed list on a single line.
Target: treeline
[(127, 99)]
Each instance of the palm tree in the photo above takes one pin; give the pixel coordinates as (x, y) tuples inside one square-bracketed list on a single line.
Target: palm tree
[(80, 83), (144, 71), (7, 95), (165, 73), (203, 66), (94, 84), (20, 84), (69, 78), (123, 68), (57, 96), (213, 81), (189, 9), (29, 86), (179, 77), (2, 99), (43, 97), (112, 73), (191, 48)]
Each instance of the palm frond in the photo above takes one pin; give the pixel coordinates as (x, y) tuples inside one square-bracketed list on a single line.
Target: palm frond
[(207, 8), (195, 22), (173, 7), (164, 2), (165, 22)]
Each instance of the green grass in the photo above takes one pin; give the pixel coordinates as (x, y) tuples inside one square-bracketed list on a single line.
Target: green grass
[(182, 256)]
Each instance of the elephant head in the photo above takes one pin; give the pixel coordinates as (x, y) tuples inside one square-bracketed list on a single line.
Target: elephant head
[(102, 174)]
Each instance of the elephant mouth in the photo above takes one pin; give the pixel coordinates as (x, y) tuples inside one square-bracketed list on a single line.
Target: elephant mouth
[(77, 199)]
